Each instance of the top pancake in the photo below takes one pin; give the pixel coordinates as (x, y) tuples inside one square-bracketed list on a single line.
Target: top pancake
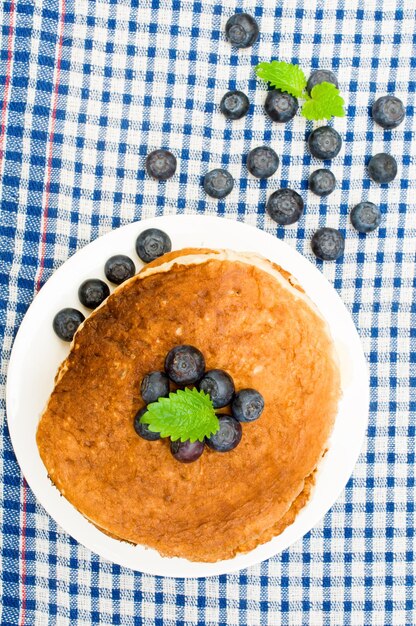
[(248, 317)]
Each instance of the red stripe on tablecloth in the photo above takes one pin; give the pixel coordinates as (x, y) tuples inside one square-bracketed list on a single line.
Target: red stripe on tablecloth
[(49, 149), (23, 552), (8, 78), (41, 266)]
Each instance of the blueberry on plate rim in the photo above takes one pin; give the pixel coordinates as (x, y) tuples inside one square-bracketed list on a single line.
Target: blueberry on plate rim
[(228, 436), (280, 106), (247, 405), (285, 206), (328, 244), (119, 268), (388, 112), (187, 451), (218, 183), (365, 217), (322, 182), (382, 168), (219, 385), (321, 76), (152, 243), (161, 164), (262, 162), (66, 323), (143, 429), (154, 385), (324, 142), (185, 364), (92, 292), (234, 105), (242, 30)]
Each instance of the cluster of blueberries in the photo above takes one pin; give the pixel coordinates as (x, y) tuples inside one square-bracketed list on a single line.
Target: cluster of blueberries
[(285, 206), (150, 245), (184, 366)]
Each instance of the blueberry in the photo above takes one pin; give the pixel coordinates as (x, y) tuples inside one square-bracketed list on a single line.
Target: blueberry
[(324, 142), (152, 243), (187, 452), (280, 106), (382, 168), (228, 436), (93, 292), (242, 30), (143, 429), (161, 164), (66, 322), (154, 385), (285, 206), (365, 217), (185, 365), (320, 76), (328, 244), (247, 405), (218, 183), (388, 112), (322, 182), (119, 268), (262, 162), (219, 386), (234, 105)]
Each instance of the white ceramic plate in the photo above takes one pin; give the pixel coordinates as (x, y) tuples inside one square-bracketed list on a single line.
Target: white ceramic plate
[(37, 352)]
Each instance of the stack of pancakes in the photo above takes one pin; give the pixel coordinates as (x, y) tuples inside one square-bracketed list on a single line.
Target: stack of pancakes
[(248, 317)]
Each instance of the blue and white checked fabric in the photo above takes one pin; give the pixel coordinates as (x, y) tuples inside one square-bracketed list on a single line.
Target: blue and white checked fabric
[(88, 89)]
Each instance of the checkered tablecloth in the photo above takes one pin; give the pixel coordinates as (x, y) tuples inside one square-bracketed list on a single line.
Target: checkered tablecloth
[(88, 88)]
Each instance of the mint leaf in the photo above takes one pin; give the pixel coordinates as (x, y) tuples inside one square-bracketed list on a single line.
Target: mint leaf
[(324, 103), (186, 414), (284, 76)]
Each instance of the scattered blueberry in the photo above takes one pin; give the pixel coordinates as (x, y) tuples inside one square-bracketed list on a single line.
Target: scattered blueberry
[(262, 162), (285, 206), (151, 244), (388, 111), (219, 385), (143, 429), (322, 182), (247, 405), (228, 436), (280, 106), (328, 244), (154, 385), (324, 142), (234, 105), (242, 30), (185, 365), (365, 217), (93, 292), (321, 76), (218, 183), (185, 451), (119, 268), (161, 164), (382, 168), (66, 322)]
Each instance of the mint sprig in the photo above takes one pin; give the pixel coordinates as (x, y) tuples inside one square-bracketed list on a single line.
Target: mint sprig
[(185, 414), (323, 103), (284, 76)]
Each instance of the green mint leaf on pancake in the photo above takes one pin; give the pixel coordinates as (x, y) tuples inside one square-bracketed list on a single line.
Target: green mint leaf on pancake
[(185, 415), (324, 103), (284, 76)]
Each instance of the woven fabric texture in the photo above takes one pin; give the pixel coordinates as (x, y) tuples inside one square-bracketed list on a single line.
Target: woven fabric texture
[(88, 88)]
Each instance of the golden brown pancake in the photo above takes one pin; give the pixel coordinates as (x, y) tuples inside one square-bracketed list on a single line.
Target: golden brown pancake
[(247, 316)]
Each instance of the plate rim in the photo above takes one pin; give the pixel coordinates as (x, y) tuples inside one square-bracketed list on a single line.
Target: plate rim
[(178, 567)]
